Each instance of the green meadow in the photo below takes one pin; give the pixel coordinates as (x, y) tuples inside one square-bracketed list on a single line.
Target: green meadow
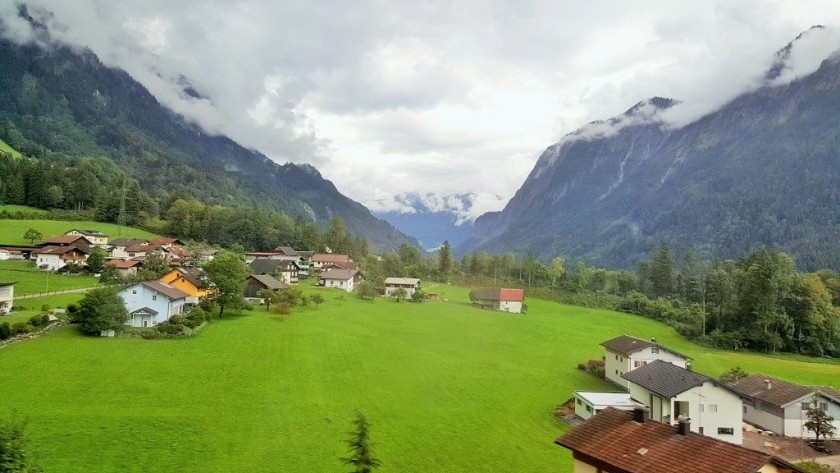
[(21, 208), (30, 280), (5, 148), (446, 387), (12, 231)]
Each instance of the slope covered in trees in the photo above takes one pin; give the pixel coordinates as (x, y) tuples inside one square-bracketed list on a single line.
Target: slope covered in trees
[(57, 104)]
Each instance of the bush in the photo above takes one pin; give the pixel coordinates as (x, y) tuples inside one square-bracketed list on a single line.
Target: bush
[(582, 366), (72, 308), (45, 308), (150, 335), (282, 308), (5, 330), (21, 328), (600, 372), (39, 320), (814, 467), (169, 328)]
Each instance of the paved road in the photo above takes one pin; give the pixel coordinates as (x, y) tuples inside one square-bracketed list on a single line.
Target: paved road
[(68, 291)]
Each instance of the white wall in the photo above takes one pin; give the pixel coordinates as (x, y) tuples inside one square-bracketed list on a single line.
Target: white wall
[(795, 417), (614, 366), (583, 409), (7, 297), (763, 419), (510, 306), (53, 262), (617, 364)]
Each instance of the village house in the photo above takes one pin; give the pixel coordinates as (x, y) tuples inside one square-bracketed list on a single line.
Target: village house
[(125, 268), (7, 297), (672, 393), (351, 265), (321, 260), (288, 271), (286, 251), (781, 406), (504, 299), (343, 279), (587, 403), (94, 236), (411, 285), (258, 282), (120, 245), (206, 256), (53, 258), (152, 302), (616, 441), (626, 353), (252, 256), (4, 254), (190, 281), (18, 252), (78, 241)]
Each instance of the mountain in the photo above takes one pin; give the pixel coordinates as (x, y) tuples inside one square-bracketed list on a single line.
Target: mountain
[(763, 170), (432, 218), (54, 99)]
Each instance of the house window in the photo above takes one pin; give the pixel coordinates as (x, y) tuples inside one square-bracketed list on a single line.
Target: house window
[(712, 408), (134, 291), (622, 359), (654, 350), (637, 364), (745, 409), (726, 431), (702, 408), (588, 408), (578, 402), (154, 297), (616, 357), (701, 430), (805, 406), (616, 372), (824, 406)]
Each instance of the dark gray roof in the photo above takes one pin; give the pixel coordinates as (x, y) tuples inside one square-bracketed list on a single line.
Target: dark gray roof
[(286, 250), (627, 345), (127, 242), (146, 310), (665, 379), (340, 274), (265, 266), (778, 392)]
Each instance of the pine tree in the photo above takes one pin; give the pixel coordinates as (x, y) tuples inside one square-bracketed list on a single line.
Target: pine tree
[(361, 455), (445, 261)]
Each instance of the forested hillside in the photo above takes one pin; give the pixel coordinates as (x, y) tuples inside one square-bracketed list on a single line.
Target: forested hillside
[(64, 107), (763, 171)]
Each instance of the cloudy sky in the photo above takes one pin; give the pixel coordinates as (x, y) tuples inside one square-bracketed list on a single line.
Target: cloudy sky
[(440, 97)]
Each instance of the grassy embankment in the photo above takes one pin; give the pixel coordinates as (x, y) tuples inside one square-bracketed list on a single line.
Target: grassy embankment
[(445, 386), (12, 231)]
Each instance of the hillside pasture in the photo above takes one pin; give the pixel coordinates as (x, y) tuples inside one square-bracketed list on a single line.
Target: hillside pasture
[(21, 208), (31, 280), (5, 148), (12, 231), (445, 386)]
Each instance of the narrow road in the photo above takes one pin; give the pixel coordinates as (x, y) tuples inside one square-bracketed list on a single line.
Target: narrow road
[(44, 294)]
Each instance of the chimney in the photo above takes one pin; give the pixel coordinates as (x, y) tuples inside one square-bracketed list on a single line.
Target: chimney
[(767, 382), (640, 414), (684, 426)]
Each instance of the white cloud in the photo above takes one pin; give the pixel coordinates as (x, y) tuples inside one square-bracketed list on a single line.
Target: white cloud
[(433, 97)]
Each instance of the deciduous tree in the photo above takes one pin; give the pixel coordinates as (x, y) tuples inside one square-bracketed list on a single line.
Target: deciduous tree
[(101, 309), (228, 273), (33, 235)]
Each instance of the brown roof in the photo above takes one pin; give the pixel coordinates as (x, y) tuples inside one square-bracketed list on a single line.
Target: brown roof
[(127, 242), (330, 258), (627, 345), (123, 264), (499, 294), (194, 276), (267, 281), (613, 437), (166, 241), (67, 240), (58, 250), (781, 393), (165, 289)]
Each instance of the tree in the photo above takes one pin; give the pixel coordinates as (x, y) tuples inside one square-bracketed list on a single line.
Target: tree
[(96, 260), (733, 375), (13, 457), (337, 238), (367, 290), (154, 266), (361, 455), (316, 299), (662, 271), (557, 269), (400, 293), (228, 273), (445, 261), (101, 309), (819, 422), (33, 235), (268, 296), (418, 296)]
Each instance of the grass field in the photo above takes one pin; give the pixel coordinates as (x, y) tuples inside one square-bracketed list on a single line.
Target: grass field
[(11, 231), (33, 281), (4, 147), (21, 208), (33, 306), (446, 387)]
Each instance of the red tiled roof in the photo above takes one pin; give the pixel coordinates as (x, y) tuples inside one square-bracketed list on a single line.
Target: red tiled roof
[(166, 241), (58, 250), (613, 437), (515, 295), (502, 295)]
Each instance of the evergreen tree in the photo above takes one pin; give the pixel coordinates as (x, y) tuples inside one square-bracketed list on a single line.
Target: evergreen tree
[(445, 261), (13, 456), (361, 457), (96, 260), (662, 271)]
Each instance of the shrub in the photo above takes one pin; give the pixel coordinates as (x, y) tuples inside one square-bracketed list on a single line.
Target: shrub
[(169, 328), (282, 308), (20, 328), (5, 331), (72, 308), (814, 467), (582, 366), (600, 372), (45, 308), (150, 335), (41, 320)]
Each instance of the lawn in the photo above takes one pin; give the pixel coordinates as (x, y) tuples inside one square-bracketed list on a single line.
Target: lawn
[(33, 306), (11, 231), (446, 387), (21, 208), (33, 281)]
